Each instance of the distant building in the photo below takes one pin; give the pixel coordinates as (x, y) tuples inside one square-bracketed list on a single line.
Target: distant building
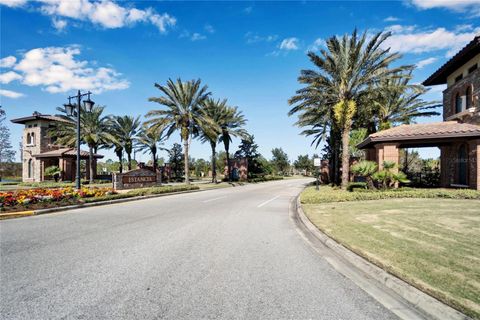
[(458, 136), (39, 150)]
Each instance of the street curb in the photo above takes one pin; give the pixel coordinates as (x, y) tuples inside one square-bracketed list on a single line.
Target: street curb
[(419, 300), (20, 214)]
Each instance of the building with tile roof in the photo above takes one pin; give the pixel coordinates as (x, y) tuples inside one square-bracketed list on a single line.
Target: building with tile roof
[(458, 136), (39, 150)]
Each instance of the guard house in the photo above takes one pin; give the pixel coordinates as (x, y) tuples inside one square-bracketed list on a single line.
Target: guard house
[(39, 150), (458, 136)]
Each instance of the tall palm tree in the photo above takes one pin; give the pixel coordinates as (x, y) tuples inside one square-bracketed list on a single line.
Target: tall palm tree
[(147, 141), (347, 70), (399, 103), (215, 110), (125, 129), (94, 131), (231, 126), (183, 102)]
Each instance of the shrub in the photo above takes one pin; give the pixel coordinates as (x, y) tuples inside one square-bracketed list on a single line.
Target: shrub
[(327, 194), (265, 179), (352, 186)]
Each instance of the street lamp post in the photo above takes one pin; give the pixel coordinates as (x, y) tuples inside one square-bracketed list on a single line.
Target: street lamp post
[(70, 111)]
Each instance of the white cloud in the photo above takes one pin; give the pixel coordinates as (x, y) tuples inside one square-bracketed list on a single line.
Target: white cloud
[(209, 28), (406, 39), (391, 19), (472, 6), (11, 94), (316, 45), (289, 44), (255, 38), (9, 76), (106, 13), (425, 62), (57, 69), (197, 36), (13, 3), (7, 62), (59, 24)]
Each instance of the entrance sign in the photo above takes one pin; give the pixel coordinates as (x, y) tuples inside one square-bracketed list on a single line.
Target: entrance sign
[(139, 178), (317, 162)]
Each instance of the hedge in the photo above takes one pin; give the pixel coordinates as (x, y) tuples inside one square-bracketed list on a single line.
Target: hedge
[(327, 194), (265, 178)]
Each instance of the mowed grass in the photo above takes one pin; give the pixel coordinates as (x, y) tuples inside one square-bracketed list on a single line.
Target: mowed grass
[(434, 244)]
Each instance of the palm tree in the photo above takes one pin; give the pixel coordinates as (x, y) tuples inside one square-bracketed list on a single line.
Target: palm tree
[(147, 141), (183, 102), (215, 110), (125, 129), (400, 102), (94, 131), (349, 69), (231, 126)]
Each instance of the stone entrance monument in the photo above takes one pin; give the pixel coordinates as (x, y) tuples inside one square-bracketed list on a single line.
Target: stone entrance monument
[(139, 178)]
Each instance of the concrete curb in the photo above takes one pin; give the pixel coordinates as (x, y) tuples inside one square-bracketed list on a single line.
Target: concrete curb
[(20, 214), (419, 300)]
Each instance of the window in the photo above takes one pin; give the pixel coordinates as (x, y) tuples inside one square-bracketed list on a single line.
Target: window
[(458, 103), (30, 168), (460, 77), (473, 68), (32, 139), (468, 97)]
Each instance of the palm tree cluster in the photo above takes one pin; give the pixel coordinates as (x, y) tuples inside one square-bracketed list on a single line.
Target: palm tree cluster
[(355, 86), (188, 109)]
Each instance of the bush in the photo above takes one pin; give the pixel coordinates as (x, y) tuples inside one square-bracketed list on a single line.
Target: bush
[(161, 190), (265, 179), (327, 194), (352, 186)]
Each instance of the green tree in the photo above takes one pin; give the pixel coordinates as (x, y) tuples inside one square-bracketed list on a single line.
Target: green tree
[(280, 160), (148, 140), (125, 130), (303, 162), (349, 69), (176, 160), (94, 132), (6, 150), (183, 102), (366, 169), (249, 149), (231, 126), (215, 110)]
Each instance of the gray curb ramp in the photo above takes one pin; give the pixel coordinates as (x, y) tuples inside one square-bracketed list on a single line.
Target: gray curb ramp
[(406, 301)]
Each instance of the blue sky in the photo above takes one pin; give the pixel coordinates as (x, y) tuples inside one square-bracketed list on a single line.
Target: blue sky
[(248, 52)]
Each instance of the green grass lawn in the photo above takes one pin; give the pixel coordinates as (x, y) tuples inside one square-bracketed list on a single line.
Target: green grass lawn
[(433, 244)]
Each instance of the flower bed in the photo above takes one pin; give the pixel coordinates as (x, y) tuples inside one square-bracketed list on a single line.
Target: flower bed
[(24, 199)]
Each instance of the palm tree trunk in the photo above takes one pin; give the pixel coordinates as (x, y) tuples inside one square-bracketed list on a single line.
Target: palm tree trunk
[(185, 154), (120, 159), (214, 163), (345, 157), (90, 162), (228, 164), (154, 156), (129, 159)]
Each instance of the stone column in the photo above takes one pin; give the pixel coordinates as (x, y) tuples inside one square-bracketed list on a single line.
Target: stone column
[(387, 152)]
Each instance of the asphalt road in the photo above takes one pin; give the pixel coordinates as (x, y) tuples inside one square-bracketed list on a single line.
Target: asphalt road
[(221, 254)]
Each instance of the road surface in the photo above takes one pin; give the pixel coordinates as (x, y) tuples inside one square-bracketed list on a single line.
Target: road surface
[(221, 254)]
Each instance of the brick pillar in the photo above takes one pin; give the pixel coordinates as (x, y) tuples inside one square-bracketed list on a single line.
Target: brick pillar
[(474, 164), (387, 152)]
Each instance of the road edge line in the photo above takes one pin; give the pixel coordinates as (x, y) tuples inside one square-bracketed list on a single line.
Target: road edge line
[(418, 300)]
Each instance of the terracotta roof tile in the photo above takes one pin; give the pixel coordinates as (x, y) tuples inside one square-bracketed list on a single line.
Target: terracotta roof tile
[(435, 130)]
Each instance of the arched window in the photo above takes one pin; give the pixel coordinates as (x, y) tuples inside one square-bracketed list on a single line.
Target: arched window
[(462, 164), (468, 97), (30, 168), (33, 139), (29, 139), (458, 103)]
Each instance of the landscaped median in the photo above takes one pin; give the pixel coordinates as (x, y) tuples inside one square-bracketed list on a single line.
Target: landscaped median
[(427, 237), (28, 202)]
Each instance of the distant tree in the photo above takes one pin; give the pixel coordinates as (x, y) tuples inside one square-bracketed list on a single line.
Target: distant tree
[(280, 160), (148, 140), (7, 154), (357, 136), (176, 160), (201, 167), (249, 149), (125, 130), (303, 162)]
